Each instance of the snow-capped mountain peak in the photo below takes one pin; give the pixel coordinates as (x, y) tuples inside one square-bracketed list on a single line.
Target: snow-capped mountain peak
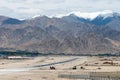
[(89, 15)]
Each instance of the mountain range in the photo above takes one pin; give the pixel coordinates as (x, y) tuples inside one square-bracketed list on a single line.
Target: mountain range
[(69, 34)]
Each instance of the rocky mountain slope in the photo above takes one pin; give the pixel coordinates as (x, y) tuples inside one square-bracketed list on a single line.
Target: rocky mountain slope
[(69, 34)]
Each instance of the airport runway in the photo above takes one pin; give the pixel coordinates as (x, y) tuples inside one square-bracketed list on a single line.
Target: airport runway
[(12, 70)]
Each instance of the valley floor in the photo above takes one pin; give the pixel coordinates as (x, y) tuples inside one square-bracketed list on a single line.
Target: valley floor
[(29, 70)]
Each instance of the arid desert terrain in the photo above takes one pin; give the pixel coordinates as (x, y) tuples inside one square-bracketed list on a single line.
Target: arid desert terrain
[(38, 68)]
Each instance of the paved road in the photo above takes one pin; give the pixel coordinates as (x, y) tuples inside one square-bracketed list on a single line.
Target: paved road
[(61, 62), (7, 71)]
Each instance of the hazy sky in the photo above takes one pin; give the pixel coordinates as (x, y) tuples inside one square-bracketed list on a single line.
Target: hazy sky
[(28, 8)]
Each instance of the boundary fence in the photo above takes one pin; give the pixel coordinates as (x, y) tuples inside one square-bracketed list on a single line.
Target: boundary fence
[(91, 75)]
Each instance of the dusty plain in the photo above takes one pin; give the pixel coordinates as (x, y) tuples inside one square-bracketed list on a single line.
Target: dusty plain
[(9, 69)]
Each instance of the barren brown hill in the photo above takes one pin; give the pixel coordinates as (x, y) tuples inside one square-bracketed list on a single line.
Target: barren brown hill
[(58, 35)]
